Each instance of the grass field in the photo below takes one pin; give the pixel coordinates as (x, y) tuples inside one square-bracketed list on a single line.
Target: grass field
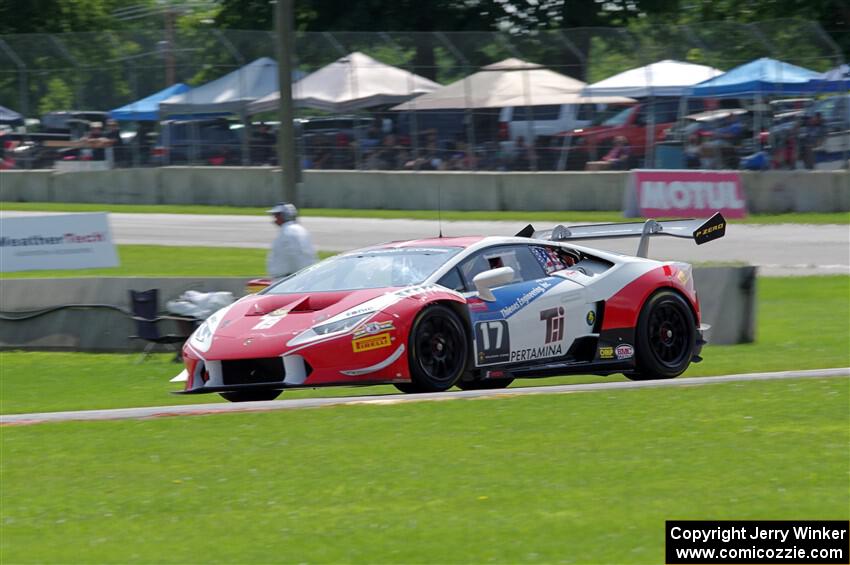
[(538, 216), (577, 478), (168, 261), (802, 324)]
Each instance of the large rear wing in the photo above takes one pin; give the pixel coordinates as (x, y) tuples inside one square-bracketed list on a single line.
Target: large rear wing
[(698, 230)]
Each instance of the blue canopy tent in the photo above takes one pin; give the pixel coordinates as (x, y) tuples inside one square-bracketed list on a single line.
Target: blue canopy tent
[(834, 80), (763, 76), (10, 117), (147, 109)]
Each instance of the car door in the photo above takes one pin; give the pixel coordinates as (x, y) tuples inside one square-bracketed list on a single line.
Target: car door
[(531, 317)]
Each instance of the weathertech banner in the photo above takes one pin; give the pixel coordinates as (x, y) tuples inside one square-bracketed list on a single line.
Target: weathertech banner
[(60, 241), (681, 193)]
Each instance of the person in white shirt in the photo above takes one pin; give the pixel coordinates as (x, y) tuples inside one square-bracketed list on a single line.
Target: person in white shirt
[(292, 249)]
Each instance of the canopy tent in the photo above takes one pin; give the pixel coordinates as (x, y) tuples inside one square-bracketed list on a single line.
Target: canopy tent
[(762, 76), (350, 83), (512, 82), (663, 78), (229, 94), (833, 80), (10, 117), (147, 109)]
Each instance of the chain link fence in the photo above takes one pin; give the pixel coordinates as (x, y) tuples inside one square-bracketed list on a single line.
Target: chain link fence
[(70, 80)]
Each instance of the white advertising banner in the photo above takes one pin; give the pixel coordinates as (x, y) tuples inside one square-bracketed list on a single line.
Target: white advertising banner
[(61, 241)]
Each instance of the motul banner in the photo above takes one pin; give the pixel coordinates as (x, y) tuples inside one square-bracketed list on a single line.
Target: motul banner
[(682, 193)]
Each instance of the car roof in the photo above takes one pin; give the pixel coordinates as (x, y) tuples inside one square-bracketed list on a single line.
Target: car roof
[(464, 242)]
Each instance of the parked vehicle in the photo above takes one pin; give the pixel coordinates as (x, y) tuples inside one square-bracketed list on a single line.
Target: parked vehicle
[(197, 142), (591, 143), (531, 122), (73, 122)]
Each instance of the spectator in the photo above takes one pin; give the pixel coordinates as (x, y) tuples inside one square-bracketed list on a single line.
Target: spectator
[(811, 137), (94, 143), (726, 139), (522, 155), (321, 152), (119, 151), (143, 141), (693, 150), (619, 156), (292, 249), (263, 144), (343, 151)]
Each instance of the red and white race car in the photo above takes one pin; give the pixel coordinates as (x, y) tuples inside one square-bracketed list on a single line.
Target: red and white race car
[(475, 312)]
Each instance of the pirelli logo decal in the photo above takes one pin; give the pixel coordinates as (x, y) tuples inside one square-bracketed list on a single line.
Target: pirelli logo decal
[(711, 229), (371, 342)]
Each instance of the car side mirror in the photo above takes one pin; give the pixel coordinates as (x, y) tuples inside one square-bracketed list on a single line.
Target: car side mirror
[(491, 279)]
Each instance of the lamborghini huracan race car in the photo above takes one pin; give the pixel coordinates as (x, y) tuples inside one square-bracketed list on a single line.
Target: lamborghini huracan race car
[(476, 312)]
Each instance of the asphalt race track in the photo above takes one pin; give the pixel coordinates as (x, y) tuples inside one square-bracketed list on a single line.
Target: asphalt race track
[(267, 406), (778, 250)]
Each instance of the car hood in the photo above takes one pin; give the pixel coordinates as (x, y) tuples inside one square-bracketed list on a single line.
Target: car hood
[(261, 325)]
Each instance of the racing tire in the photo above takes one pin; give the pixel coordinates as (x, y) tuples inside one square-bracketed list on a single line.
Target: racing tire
[(438, 350), (665, 337), (485, 384), (250, 395)]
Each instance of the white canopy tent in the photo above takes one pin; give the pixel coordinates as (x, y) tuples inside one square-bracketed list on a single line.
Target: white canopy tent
[(229, 94), (663, 78), (350, 83), (512, 82)]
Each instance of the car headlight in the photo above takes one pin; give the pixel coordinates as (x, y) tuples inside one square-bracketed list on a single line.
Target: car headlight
[(202, 338), (332, 327), (345, 321), (340, 325)]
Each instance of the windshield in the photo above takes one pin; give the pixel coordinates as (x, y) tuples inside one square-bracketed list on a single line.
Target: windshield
[(375, 268), (619, 118)]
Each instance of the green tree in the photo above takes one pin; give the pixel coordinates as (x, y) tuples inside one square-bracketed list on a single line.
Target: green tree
[(59, 96)]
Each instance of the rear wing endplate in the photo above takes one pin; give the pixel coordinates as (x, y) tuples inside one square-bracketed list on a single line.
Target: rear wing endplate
[(698, 230)]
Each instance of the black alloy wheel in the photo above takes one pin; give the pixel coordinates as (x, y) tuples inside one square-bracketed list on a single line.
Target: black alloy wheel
[(250, 395), (665, 336), (438, 350)]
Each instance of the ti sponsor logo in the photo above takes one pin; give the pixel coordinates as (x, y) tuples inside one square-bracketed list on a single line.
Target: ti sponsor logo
[(554, 318), (371, 342), (590, 318), (625, 351), (606, 352)]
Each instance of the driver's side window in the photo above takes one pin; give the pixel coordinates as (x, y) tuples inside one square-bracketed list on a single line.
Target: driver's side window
[(517, 257)]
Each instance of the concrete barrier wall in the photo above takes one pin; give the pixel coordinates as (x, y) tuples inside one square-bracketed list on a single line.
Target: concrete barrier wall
[(767, 192), (727, 297), (93, 328)]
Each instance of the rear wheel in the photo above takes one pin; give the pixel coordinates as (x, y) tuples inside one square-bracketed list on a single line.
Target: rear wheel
[(665, 337), (438, 350), (250, 395)]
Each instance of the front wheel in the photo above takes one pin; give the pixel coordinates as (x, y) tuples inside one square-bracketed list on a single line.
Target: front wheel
[(250, 395), (665, 337), (438, 350)]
